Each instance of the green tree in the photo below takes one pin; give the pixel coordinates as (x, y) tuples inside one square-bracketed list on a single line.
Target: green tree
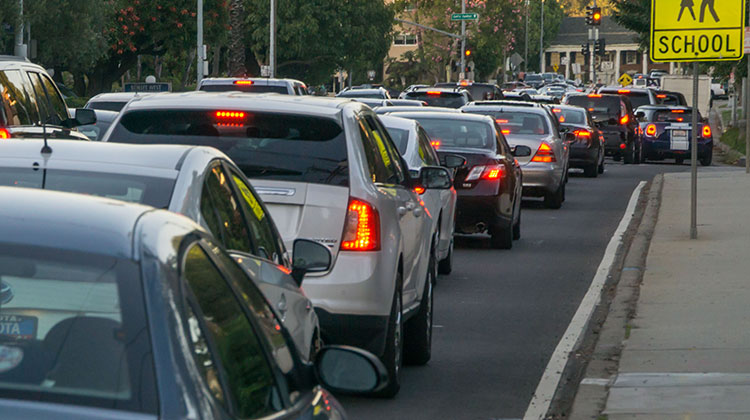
[(553, 15)]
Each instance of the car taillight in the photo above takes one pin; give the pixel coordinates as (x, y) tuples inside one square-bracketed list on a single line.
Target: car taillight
[(488, 172), (544, 154), (623, 146), (230, 114), (4, 133), (419, 190), (361, 227), (583, 134), (505, 132), (625, 119), (435, 144), (651, 130), (706, 131), (434, 92), (594, 95), (623, 91), (244, 82)]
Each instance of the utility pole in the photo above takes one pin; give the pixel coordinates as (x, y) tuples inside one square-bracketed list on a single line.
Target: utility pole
[(462, 73), (526, 49), (20, 48), (541, 43), (201, 51), (747, 111), (272, 46)]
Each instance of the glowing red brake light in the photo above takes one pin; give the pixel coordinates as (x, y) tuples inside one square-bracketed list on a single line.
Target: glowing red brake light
[(488, 172), (361, 228), (419, 190), (4, 133), (230, 114), (435, 144), (544, 154), (562, 118), (678, 111), (505, 132), (623, 91), (434, 92), (244, 82), (624, 120), (651, 130), (706, 131), (583, 134), (661, 96), (556, 110), (500, 121), (492, 173), (594, 95)]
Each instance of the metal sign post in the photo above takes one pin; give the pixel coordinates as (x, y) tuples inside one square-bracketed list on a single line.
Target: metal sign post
[(714, 32), (747, 101)]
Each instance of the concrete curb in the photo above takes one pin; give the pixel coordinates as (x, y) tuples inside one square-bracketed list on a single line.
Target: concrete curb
[(591, 395)]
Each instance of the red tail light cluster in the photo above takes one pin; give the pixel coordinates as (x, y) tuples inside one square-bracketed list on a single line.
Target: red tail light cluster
[(487, 172), (230, 114), (4, 133), (244, 82), (706, 131), (582, 134), (651, 130), (361, 227), (435, 144), (625, 119), (544, 154)]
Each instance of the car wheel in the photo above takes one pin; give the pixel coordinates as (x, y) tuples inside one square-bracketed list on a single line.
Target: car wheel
[(445, 266), (629, 157), (502, 237), (601, 167), (591, 171), (394, 345), (517, 228), (679, 161), (418, 331), (707, 159), (555, 199), (639, 155)]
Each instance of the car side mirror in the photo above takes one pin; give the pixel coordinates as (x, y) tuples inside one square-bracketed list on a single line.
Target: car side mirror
[(435, 178), (570, 137), (309, 257), (83, 116), (452, 161), (640, 116), (521, 151), (349, 370)]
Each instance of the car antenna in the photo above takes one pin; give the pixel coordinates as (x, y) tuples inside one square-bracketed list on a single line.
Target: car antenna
[(45, 149)]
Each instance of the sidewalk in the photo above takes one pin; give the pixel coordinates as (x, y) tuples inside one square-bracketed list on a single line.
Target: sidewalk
[(688, 351)]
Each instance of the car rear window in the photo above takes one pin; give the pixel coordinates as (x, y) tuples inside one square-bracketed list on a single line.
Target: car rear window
[(73, 330), (571, 116), (607, 106), (638, 99), (285, 147), (518, 122), (400, 138), (441, 99), (106, 105), (533, 77), (363, 95), (245, 88), (152, 191), (457, 133), (672, 116)]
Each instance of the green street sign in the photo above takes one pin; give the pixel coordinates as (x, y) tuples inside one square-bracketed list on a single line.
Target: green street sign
[(465, 16)]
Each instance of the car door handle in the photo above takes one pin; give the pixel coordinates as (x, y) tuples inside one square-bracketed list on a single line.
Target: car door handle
[(417, 211), (410, 205), (402, 210)]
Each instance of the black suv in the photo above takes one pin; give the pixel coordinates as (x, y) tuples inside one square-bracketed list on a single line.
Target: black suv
[(32, 104), (442, 97), (615, 117), (478, 91), (637, 96)]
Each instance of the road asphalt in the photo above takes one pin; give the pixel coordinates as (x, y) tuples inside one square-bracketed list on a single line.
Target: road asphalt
[(500, 314)]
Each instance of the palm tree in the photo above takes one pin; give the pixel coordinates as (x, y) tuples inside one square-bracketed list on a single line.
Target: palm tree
[(236, 38)]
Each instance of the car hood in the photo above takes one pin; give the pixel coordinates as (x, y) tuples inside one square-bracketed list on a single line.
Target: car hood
[(13, 409)]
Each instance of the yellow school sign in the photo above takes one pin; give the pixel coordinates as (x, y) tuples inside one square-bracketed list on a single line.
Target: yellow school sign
[(697, 30)]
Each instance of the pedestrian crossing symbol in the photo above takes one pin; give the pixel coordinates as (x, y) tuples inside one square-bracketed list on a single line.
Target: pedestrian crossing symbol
[(697, 30), (625, 80)]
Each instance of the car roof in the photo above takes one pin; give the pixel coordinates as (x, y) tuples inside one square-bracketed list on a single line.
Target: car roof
[(117, 96), (260, 80), (71, 221), (665, 107), (571, 107), (391, 121), (157, 156), (459, 116), (361, 91), (610, 89), (503, 103), (456, 90), (508, 108), (396, 108), (273, 102)]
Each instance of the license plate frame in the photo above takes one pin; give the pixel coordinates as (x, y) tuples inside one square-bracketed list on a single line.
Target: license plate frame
[(18, 327), (679, 140)]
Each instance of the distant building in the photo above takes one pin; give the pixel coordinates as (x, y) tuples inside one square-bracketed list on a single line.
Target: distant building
[(622, 55)]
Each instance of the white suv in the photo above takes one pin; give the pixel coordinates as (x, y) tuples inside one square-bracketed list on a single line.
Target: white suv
[(327, 170)]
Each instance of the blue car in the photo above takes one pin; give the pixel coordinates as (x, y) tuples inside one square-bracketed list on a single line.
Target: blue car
[(111, 310), (666, 132)]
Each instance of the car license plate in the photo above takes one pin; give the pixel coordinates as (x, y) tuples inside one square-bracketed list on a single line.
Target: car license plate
[(18, 327), (680, 140)]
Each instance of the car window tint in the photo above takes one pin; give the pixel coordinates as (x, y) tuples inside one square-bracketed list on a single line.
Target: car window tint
[(400, 138), (572, 116), (152, 191), (374, 154), (244, 364), (458, 133), (443, 99), (606, 106), (221, 211), (106, 106), (18, 105), (56, 102), (265, 238), (426, 151), (387, 150), (45, 112), (202, 355), (74, 329)]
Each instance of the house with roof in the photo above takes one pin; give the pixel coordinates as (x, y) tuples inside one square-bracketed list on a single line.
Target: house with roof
[(622, 55)]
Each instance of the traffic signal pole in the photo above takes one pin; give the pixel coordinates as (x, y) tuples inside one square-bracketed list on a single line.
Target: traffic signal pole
[(462, 73)]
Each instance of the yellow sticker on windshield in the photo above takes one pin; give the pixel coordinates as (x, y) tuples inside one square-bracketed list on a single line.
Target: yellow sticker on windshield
[(249, 198), (382, 149)]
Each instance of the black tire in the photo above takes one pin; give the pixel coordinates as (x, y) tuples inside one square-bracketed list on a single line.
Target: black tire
[(629, 156), (445, 266), (638, 155), (707, 159), (394, 345), (502, 237), (679, 161), (418, 330), (517, 228), (555, 199), (617, 157), (591, 171), (600, 169)]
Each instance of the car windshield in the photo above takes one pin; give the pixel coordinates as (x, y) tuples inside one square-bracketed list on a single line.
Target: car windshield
[(107, 105), (441, 99), (152, 191), (677, 115), (363, 95), (571, 116), (245, 88), (533, 77), (73, 329), (400, 138), (285, 147), (457, 133), (598, 105), (518, 122)]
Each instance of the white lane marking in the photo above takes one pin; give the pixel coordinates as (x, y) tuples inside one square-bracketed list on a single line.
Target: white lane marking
[(596, 381), (542, 398)]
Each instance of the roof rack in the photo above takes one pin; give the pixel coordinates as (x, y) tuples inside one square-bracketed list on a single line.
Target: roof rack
[(13, 58)]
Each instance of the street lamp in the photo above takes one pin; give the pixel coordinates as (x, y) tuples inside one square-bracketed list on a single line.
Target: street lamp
[(201, 58)]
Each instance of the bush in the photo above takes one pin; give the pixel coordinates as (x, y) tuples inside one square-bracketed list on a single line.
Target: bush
[(77, 102)]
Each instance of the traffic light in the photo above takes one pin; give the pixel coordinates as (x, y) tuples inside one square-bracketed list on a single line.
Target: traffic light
[(585, 49), (596, 16), (468, 52), (600, 47)]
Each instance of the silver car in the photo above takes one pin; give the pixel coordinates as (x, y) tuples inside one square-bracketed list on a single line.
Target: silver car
[(415, 146), (328, 170), (545, 171), (198, 182), (113, 101)]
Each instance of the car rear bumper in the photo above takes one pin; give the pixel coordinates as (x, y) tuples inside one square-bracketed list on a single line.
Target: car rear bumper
[(581, 157), (661, 149), (540, 178), (474, 214)]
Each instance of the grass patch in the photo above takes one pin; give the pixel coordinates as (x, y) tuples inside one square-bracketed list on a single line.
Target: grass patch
[(627, 331), (603, 417), (735, 139)]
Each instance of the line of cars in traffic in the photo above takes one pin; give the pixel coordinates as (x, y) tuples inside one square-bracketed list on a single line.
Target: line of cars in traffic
[(198, 306)]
